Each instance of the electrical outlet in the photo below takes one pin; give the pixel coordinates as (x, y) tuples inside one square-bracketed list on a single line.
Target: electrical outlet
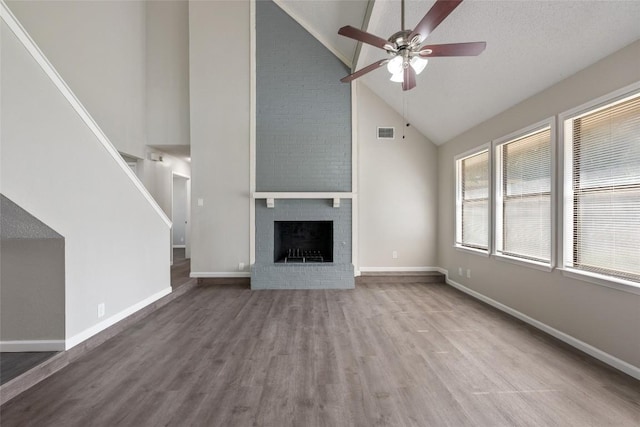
[(241, 266), (101, 310), (468, 273), (459, 271), (394, 254)]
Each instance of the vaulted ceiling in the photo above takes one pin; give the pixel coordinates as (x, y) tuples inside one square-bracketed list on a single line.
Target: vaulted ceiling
[(531, 45)]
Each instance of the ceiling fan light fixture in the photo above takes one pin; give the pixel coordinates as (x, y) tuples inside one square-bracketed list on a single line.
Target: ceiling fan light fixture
[(397, 77), (418, 64), (394, 66)]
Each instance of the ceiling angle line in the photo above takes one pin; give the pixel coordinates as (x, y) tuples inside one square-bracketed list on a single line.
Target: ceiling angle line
[(365, 25)]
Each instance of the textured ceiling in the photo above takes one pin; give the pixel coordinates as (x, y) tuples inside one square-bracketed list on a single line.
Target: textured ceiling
[(531, 45)]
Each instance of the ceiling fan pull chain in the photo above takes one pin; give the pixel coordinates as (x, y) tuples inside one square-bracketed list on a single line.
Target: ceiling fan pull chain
[(404, 111)]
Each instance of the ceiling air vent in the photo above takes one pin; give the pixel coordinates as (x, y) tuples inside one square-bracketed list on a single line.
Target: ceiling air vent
[(386, 133)]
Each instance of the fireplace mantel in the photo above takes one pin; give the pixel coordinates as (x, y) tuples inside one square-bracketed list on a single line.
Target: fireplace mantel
[(270, 197)]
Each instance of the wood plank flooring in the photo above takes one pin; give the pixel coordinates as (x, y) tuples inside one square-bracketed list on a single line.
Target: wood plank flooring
[(382, 354), (180, 269)]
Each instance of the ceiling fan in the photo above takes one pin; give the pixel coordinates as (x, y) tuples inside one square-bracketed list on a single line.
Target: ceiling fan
[(407, 56)]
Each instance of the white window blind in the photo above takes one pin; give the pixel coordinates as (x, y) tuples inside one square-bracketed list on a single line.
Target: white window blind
[(473, 201), (605, 191), (523, 197)]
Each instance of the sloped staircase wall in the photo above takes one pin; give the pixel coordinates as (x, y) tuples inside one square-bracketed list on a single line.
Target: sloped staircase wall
[(58, 165)]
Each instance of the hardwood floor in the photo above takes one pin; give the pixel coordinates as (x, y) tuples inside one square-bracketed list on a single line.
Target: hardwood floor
[(180, 269), (382, 354), (15, 364)]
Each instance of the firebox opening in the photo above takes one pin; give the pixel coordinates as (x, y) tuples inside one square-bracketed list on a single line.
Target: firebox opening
[(303, 241)]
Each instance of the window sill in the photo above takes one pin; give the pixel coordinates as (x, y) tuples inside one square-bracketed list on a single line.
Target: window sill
[(472, 251), (602, 280), (524, 263)]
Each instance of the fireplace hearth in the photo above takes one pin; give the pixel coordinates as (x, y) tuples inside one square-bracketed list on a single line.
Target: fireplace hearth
[(303, 242)]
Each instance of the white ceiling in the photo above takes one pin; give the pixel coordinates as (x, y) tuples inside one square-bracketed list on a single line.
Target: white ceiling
[(531, 45)]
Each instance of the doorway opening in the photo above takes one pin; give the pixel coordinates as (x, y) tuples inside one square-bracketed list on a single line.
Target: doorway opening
[(181, 230)]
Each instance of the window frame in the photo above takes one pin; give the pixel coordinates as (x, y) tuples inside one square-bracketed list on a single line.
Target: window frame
[(565, 187), (457, 238), (497, 172)]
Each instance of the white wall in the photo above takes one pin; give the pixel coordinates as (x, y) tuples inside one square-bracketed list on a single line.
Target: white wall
[(219, 135), (179, 210), (52, 165), (157, 177), (99, 49), (397, 190), (167, 83), (604, 318)]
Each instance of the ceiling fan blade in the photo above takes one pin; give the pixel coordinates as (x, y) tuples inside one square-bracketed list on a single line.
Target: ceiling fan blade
[(364, 37), (364, 71), (409, 81), (453, 49), (434, 17)]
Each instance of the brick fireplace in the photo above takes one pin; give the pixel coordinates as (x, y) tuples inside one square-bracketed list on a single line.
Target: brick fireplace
[(269, 273), (303, 159)]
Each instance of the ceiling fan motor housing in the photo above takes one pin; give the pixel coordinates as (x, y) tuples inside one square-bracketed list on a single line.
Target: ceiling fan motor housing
[(400, 45)]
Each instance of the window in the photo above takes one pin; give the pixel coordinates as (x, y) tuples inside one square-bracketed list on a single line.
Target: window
[(472, 211), (523, 196), (602, 190)]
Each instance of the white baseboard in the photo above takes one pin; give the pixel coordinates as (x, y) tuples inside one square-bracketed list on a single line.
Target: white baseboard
[(31, 345), (397, 269), (613, 361), (179, 246), (218, 274), (88, 333)]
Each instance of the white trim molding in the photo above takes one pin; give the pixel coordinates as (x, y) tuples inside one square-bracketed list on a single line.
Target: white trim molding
[(31, 345), (218, 274), (33, 49), (271, 198), (399, 269), (602, 280), (252, 131), (88, 333), (355, 206), (474, 251), (607, 358), (302, 195)]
